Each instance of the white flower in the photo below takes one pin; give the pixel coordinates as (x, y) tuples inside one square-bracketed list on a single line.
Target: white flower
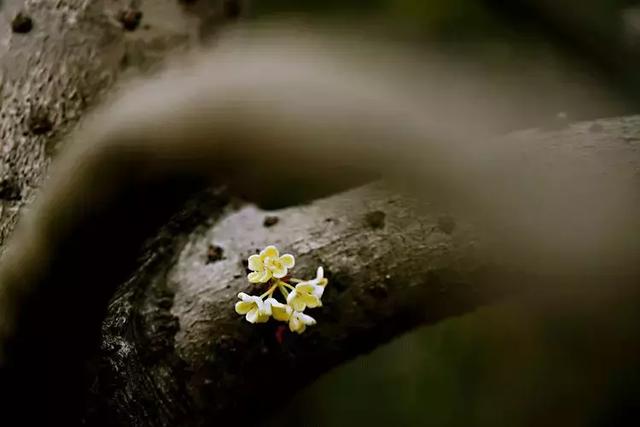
[(269, 264), (254, 308), (308, 293), (303, 296), (279, 310), (299, 322)]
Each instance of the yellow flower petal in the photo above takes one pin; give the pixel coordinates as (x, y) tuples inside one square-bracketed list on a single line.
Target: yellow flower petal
[(304, 287), (255, 263), (278, 270), (282, 314), (270, 251), (303, 296), (288, 260), (255, 277), (295, 325), (311, 300), (280, 311), (266, 275), (299, 322), (243, 307), (293, 299), (298, 305), (262, 317), (259, 276)]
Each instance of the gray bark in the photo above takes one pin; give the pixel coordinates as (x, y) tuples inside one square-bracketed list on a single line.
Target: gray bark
[(51, 75)]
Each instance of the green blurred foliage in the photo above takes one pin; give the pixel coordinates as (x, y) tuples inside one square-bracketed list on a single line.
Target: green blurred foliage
[(515, 364)]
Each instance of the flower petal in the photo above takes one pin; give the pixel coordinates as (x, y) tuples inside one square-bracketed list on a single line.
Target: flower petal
[(306, 319), (252, 315), (304, 287), (255, 263), (280, 311), (295, 325), (266, 275), (283, 314), (262, 318), (319, 279), (310, 300), (265, 308), (295, 301), (259, 276), (288, 260), (292, 296), (318, 291), (270, 251), (299, 322), (243, 307), (255, 277), (278, 270)]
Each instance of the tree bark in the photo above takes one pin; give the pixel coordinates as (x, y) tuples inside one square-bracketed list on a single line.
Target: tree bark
[(173, 351), (73, 54)]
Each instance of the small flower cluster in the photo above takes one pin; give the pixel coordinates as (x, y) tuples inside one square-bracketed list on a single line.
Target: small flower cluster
[(271, 268)]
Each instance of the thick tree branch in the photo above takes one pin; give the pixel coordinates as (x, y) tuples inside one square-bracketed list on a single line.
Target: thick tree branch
[(175, 352)]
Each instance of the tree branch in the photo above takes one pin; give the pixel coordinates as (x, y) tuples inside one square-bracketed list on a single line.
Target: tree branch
[(174, 352)]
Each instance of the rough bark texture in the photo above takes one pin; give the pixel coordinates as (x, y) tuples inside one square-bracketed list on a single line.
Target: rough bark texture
[(173, 350), (52, 74), (49, 76)]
